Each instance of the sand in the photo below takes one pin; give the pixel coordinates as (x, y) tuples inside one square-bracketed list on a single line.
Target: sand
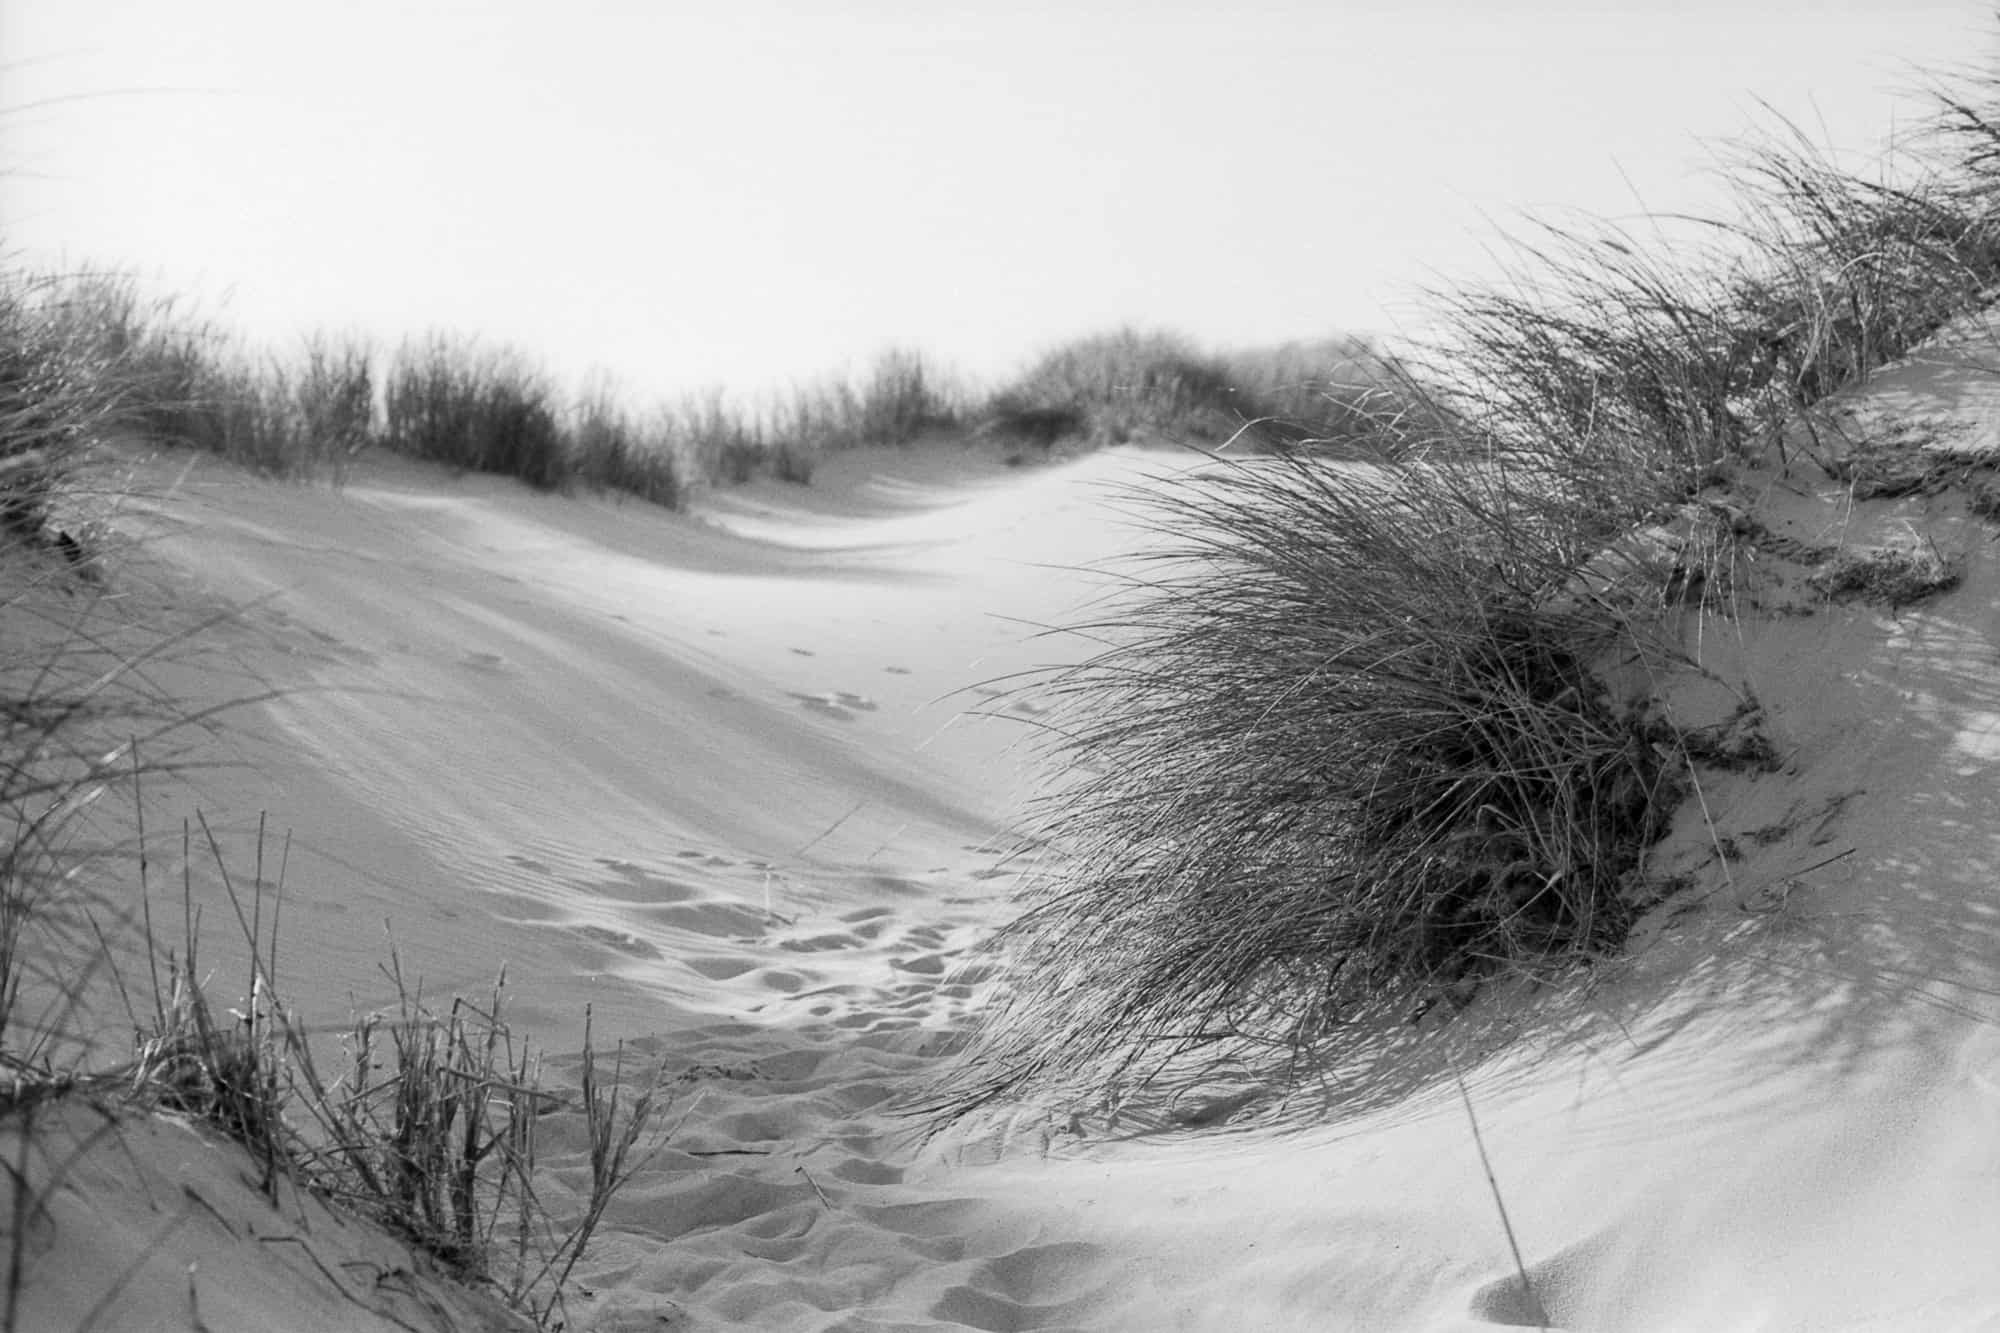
[(745, 782)]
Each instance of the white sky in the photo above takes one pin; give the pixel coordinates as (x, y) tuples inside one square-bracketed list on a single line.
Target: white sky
[(749, 192)]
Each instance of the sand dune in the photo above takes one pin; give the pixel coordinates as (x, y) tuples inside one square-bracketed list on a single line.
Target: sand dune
[(733, 781), (642, 758)]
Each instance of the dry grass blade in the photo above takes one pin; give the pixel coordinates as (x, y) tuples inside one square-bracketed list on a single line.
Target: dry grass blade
[(612, 1138), (1348, 744), (439, 1146), (1352, 744), (1531, 1302)]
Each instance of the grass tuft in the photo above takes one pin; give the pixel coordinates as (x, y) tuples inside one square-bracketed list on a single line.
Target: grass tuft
[(1894, 574), (1354, 740), (1128, 385), (1349, 744), (429, 1127)]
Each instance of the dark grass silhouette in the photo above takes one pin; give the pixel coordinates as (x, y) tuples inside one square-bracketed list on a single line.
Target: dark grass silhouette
[(1129, 385), (1353, 741)]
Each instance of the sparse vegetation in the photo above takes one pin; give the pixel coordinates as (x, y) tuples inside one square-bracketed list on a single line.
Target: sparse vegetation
[(58, 393), (474, 409), (460, 403), (1351, 745), (1354, 744), (433, 1137), (1128, 385), (179, 379), (1894, 574)]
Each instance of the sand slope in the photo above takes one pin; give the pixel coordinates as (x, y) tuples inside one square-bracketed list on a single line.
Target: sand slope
[(152, 1223), (715, 777), (744, 784)]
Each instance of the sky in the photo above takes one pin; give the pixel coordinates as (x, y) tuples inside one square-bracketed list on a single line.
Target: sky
[(751, 193)]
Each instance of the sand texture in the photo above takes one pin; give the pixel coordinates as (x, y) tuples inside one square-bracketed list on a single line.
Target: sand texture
[(748, 784)]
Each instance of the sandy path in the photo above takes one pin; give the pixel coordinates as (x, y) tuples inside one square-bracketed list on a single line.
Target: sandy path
[(626, 740), (743, 784)]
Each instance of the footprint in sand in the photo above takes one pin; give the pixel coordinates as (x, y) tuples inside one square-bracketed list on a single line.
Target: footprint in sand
[(520, 909), (861, 914), (821, 943), (719, 920), (1546, 1300), (861, 1171), (720, 969), (628, 944), (782, 981), (1037, 1286), (824, 705), (490, 663)]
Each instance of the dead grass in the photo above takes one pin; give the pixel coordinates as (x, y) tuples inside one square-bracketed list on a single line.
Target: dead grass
[(1348, 746), (1893, 574), (1351, 743), (1128, 384), (427, 1127)]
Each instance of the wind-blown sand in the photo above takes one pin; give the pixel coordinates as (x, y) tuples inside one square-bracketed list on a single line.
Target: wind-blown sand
[(714, 778)]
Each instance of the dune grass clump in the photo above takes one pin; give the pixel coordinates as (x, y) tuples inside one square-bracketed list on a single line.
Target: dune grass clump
[(179, 379), (430, 1129), (1323, 393), (1894, 574), (1118, 386), (476, 409), (1349, 745), (1603, 355), (304, 418), (1353, 743), (427, 1128), (453, 402), (901, 399), (1352, 746), (61, 391), (1130, 385), (428, 1125), (1851, 270), (616, 449), (77, 706)]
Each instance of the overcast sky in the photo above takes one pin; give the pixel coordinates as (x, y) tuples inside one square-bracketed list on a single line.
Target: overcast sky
[(750, 192)]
